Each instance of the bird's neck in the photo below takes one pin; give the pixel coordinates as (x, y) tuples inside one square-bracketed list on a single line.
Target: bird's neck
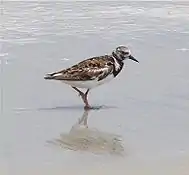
[(118, 64)]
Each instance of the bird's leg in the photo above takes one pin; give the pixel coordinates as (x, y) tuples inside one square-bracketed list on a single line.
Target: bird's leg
[(87, 106), (80, 92), (84, 97)]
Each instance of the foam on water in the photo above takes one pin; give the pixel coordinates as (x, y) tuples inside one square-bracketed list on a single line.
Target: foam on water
[(34, 17)]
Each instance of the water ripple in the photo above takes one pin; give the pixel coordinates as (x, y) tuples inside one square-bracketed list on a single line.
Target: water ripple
[(42, 18)]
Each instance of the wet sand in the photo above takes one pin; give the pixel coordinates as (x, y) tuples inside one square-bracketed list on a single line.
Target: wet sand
[(143, 125), (176, 166)]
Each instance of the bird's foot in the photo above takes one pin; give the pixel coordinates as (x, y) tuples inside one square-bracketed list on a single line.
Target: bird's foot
[(88, 107)]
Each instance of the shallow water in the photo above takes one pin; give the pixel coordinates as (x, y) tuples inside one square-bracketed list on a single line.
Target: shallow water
[(143, 125)]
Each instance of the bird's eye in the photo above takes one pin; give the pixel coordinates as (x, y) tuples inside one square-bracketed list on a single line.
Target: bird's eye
[(124, 53)]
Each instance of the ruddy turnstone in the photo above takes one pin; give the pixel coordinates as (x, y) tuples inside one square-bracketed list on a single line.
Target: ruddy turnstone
[(93, 71)]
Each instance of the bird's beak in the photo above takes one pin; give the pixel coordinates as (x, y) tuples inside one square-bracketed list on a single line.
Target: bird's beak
[(132, 58)]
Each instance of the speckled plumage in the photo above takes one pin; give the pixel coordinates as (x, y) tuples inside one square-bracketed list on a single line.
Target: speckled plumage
[(90, 69), (93, 71)]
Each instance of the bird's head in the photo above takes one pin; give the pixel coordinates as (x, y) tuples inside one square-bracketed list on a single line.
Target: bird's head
[(122, 52)]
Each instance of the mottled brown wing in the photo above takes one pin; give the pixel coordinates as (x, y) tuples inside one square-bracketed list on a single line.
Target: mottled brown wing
[(90, 69)]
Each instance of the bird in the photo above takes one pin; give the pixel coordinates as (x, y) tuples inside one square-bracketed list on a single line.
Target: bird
[(93, 72)]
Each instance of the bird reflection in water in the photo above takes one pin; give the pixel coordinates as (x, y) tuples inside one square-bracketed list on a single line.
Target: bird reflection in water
[(83, 138)]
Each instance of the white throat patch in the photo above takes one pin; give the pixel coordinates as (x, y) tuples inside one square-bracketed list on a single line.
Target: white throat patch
[(117, 65)]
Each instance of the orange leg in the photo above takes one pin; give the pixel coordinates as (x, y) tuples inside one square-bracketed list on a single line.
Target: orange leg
[(84, 97)]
